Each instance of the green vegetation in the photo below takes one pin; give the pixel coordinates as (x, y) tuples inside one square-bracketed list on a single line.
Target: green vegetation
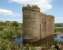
[(58, 27), (59, 24), (8, 32)]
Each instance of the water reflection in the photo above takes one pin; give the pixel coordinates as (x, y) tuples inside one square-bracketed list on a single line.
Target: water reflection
[(19, 40), (59, 37)]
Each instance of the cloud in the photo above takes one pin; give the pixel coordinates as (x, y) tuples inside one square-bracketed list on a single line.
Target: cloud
[(43, 4), (5, 12), (9, 15)]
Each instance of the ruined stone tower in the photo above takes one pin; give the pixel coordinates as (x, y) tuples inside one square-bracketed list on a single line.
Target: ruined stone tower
[(36, 25), (31, 22)]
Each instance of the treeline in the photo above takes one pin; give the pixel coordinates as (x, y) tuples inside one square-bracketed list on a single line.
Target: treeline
[(58, 27), (58, 24)]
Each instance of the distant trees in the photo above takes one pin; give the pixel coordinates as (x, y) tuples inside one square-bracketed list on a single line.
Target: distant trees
[(58, 27), (58, 24)]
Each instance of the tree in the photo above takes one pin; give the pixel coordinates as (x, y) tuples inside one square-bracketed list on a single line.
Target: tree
[(8, 32)]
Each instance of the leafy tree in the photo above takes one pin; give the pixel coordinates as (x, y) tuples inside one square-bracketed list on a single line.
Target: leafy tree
[(8, 32)]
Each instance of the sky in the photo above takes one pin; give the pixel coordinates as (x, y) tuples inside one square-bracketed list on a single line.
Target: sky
[(11, 10)]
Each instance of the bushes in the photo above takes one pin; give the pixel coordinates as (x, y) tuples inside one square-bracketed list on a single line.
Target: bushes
[(8, 32)]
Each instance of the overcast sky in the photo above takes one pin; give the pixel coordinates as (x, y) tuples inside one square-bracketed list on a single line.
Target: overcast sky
[(11, 9)]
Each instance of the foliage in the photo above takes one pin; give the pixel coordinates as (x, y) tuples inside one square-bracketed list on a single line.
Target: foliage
[(8, 32), (58, 24), (58, 27)]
